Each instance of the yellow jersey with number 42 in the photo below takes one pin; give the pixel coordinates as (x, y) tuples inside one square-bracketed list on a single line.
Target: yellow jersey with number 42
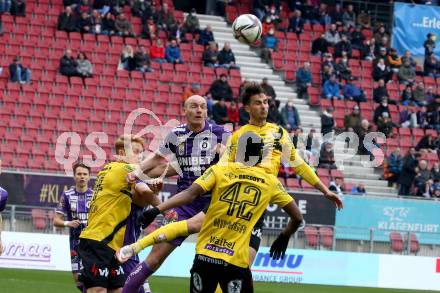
[(240, 195)]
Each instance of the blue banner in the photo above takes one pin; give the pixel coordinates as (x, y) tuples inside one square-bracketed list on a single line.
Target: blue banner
[(360, 214), (412, 23)]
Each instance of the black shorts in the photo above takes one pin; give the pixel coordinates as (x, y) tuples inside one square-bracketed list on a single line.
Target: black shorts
[(207, 273), (257, 233), (99, 267)]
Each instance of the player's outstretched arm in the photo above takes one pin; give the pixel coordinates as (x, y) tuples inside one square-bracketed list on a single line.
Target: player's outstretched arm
[(279, 246), (147, 194), (329, 194)]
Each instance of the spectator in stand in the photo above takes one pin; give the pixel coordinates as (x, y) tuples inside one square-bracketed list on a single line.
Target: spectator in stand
[(406, 74), (349, 17), (407, 57), (382, 108), (382, 49), (220, 89), (127, 61), (343, 46), (421, 181), (273, 15), (157, 52), (362, 132), (274, 115), (303, 80), (431, 67), (67, 21), (267, 25), (407, 97), (367, 50), (84, 6), (177, 32), (337, 15), (353, 92), (172, 53), (422, 118), (268, 89), (380, 91), (192, 23), (206, 36), (269, 45), (297, 136), (210, 55), (296, 24), (244, 116), (220, 112), (226, 58), (18, 8), (426, 143), (327, 156), (327, 121), (68, 64), (322, 16), (85, 23), (320, 45), (149, 29), (337, 186), (357, 38), (233, 115), (96, 20), (394, 165), (353, 120), (140, 7), (385, 125), (433, 117), (18, 73), (408, 119), (430, 96), (343, 70), (364, 20), (290, 116), (194, 90), (332, 89), (84, 67), (165, 18), (408, 174), (394, 60), (312, 144), (332, 35), (108, 24), (381, 33), (419, 95), (5, 6), (260, 8), (429, 44), (123, 26), (358, 189), (328, 62), (381, 71), (142, 60), (435, 172)]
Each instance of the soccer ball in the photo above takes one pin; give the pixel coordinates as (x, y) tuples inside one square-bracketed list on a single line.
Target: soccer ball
[(247, 28)]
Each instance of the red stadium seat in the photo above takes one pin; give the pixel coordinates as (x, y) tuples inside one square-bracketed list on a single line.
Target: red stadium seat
[(326, 237), (39, 219), (311, 234)]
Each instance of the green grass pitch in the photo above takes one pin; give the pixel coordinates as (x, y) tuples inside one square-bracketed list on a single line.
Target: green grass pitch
[(18, 281)]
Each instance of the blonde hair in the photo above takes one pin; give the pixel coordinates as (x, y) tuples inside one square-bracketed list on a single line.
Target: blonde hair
[(125, 139)]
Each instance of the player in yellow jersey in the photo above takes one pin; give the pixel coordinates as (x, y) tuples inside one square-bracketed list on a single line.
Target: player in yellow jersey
[(240, 194), (279, 148), (110, 217)]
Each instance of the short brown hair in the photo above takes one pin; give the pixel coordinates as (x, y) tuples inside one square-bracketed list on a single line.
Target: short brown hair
[(82, 165), (251, 89), (125, 138)]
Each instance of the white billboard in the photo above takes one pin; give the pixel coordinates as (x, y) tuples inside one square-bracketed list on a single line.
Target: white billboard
[(35, 251)]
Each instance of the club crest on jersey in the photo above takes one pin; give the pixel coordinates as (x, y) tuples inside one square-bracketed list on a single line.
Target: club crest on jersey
[(204, 145), (129, 168), (231, 176), (181, 149)]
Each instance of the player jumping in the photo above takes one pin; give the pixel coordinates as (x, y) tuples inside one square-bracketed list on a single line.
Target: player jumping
[(240, 195), (110, 219), (72, 212)]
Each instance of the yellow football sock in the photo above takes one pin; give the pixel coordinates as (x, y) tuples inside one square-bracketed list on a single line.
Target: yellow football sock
[(164, 233)]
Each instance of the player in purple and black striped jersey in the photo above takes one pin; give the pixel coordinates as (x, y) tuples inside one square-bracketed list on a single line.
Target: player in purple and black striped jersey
[(72, 212), (191, 148)]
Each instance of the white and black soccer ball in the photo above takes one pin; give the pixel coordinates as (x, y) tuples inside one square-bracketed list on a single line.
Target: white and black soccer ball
[(247, 28)]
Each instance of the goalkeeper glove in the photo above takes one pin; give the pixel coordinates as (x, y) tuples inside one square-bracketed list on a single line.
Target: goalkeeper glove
[(279, 246), (147, 217)]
